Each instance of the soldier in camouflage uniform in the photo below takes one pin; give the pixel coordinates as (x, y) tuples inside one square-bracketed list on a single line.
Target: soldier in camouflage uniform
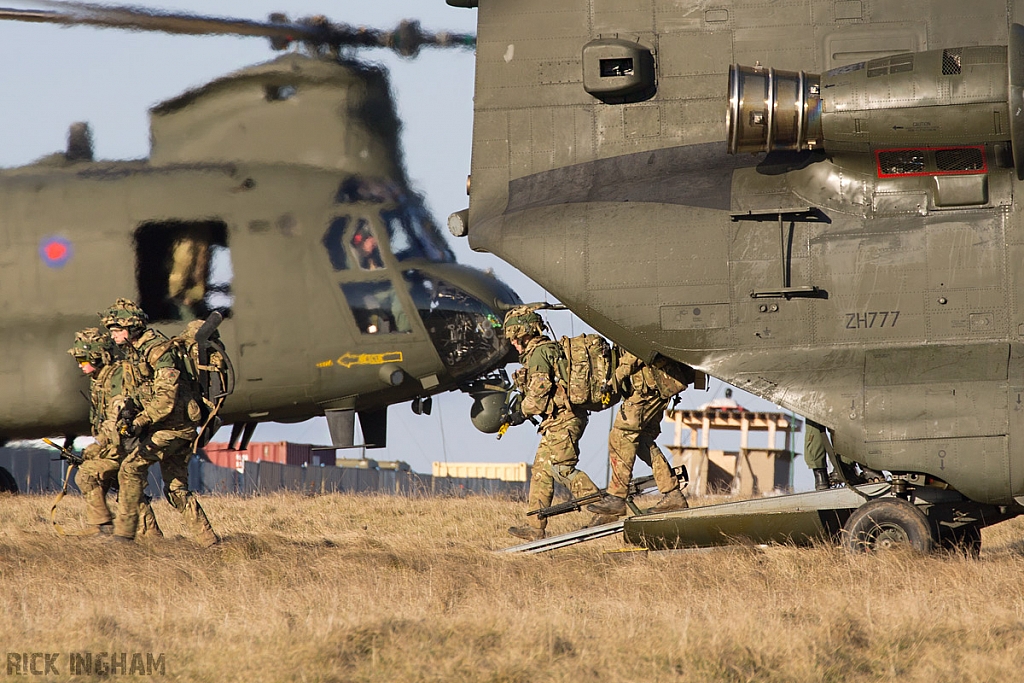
[(166, 424), (109, 385), (541, 382), (634, 433), (815, 457)]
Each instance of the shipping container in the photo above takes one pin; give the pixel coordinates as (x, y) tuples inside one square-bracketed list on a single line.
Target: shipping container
[(504, 471), (281, 452), (396, 465), (358, 463)]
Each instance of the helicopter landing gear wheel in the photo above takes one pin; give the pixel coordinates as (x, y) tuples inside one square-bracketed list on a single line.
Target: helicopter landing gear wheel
[(885, 524)]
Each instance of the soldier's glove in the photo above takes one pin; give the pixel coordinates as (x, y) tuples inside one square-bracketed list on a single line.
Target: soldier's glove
[(516, 418)]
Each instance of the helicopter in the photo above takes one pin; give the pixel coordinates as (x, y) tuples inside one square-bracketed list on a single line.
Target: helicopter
[(275, 196), (812, 201)]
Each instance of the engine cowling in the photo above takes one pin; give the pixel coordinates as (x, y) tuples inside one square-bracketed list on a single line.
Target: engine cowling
[(950, 97)]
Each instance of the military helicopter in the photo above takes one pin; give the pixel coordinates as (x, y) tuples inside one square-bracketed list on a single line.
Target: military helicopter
[(276, 196), (813, 201)]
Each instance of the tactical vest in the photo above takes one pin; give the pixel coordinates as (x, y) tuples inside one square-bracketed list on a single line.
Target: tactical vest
[(559, 369), (101, 393)]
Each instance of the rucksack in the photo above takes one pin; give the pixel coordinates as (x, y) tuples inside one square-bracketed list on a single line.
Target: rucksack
[(206, 375), (211, 375), (591, 362), (670, 376)]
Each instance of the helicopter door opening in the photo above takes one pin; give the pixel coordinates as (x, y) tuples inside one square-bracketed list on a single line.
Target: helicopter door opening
[(183, 270)]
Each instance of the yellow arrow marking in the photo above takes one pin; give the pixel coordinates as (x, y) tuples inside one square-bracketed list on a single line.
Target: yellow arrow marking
[(350, 359)]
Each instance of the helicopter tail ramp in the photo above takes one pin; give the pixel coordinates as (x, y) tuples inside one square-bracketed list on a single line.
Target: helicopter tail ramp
[(564, 540), (798, 518)]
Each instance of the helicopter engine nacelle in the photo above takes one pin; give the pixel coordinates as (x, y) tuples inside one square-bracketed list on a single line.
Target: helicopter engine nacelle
[(488, 412), (950, 97)]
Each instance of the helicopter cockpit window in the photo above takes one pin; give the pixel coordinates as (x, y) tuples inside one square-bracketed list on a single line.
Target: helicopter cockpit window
[(464, 330), (183, 270), (414, 235), (366, 247), (376, 307)]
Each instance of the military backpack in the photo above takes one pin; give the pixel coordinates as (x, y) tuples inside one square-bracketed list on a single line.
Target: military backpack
[(205, 380), (670, 376), (590, 372)]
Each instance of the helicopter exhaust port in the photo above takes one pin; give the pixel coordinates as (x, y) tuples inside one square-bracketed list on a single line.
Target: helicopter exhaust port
[(773, 110), (958, 97)]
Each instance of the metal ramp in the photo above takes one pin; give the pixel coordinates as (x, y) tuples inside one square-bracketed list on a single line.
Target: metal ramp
[(564, 540)]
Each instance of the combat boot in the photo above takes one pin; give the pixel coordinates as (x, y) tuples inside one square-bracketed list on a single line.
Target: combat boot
[(673, 500), (869, 475), (600, 520), (821, 481), (527, 533), (609, 505), (207, 539), (148, 528)]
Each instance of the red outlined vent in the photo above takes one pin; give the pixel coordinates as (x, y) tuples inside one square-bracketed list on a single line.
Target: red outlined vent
[(898, 163)]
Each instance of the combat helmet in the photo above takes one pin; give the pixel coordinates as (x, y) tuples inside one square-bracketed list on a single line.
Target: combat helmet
[(124, 313), (93, 345), (523, 321)]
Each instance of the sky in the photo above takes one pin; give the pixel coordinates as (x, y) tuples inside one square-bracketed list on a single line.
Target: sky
[(110, 78)]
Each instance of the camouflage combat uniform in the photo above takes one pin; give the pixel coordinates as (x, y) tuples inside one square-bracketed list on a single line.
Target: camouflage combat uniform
[(636, 429), (561, 427), (816, 457), (97, 475), (167, 425), (814, 445)]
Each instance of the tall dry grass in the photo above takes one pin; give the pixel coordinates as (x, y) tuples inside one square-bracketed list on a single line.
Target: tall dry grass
[(355, 588)]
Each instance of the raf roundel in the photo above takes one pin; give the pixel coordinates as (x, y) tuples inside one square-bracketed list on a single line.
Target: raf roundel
[(55, 251)]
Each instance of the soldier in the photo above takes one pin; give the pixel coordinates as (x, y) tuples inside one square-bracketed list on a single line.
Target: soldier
[(541, 381), (815, 457), (166, 424), (634, 433), (109, 386)]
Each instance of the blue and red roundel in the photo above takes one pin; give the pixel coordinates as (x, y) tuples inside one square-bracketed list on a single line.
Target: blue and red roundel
[(55, 251)]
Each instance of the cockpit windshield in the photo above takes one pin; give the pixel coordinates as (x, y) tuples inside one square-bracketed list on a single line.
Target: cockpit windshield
[(413, 234), (464, 330)]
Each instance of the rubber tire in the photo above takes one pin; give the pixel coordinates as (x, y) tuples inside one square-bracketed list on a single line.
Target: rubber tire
[(8, 484), (886, 523)]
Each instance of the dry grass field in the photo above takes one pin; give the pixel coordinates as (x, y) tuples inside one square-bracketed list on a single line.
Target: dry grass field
[(354, 588)]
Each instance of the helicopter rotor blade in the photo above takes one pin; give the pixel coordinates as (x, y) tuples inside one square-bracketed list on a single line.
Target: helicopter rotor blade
[(407, 39)]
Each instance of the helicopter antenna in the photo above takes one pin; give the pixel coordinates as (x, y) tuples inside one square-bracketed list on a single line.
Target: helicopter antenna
[(407, 39)]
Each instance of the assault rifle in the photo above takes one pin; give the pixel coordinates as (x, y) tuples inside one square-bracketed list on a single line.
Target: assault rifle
[(637, 487), (125, 424), (126, 418), (74, 459)]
